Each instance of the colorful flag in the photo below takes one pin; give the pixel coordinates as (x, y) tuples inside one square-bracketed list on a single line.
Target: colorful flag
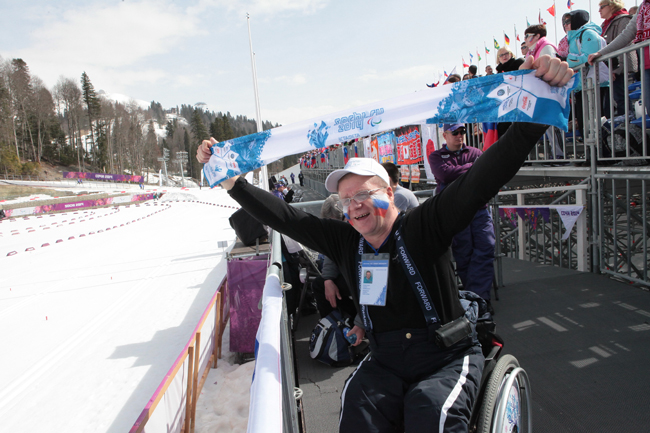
[(551, 10), (541, 21), (446, 74), (486, 50), (527, 23), (356, 154), (517, 35), (507, 39), (479, 56), (465, 65), (496, 44), (453, 71), (471, 58), (569, 3), (345, 155)]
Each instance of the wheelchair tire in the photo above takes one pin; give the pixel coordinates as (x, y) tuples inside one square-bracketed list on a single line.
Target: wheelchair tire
[(506, 365)]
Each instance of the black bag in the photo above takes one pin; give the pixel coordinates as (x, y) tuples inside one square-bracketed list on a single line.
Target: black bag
[(616, 141), (247, 228), (328, 343)]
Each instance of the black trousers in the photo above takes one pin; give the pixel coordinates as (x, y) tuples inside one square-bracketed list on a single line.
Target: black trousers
[(410, 384)]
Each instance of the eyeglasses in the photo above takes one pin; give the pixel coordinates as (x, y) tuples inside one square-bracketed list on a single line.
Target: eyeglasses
[(564, 23), (359, 197), (504, 55), (602, 7), (529, 35), (458, 131)]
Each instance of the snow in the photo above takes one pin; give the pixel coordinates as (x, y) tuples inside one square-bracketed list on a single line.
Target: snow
[(96, 314)]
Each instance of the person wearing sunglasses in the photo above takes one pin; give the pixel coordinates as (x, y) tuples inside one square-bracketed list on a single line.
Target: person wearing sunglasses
[(473, 247), (413, 379), (507, 60), (538, 45)]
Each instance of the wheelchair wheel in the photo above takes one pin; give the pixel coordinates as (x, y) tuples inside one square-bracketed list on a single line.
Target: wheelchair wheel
[(506, 407)]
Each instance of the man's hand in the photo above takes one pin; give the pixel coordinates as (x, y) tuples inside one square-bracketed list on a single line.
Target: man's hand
[(552, 70), (359, 332), (592, 58), (203, 153), (331, 292)]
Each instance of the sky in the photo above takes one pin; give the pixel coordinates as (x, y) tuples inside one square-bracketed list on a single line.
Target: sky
[(313, 57)]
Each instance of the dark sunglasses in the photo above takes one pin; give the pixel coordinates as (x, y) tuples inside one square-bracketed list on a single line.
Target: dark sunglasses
[(458, 131)]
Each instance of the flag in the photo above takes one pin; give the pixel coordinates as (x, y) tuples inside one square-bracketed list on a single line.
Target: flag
[(453, 71), (356, 154), (465, 65), (471, 58), (446, 74), (517, 36), (496, 44), (507, 39), (490, 134), (479, 56), (345, 155), (551, 10), (527, 23), (569, 3), (541, 21), (486, 50)]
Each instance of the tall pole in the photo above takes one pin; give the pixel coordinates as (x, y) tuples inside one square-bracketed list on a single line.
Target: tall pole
[(555, 22), (263, 173), (516, 43)]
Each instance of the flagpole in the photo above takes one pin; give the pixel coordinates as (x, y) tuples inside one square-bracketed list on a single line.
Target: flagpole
[(516, 43), (263, 173), (555, 21)]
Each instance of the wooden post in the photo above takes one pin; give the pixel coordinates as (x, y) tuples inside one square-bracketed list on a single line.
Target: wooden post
[(217, 328), (188, 395), (195, 379)]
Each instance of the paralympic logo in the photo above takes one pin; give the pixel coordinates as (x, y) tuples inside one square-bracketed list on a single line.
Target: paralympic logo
[(373, 123), (356, 120)]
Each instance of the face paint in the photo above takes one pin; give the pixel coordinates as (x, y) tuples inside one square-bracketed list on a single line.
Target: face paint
[(381, 204), (347, 217)]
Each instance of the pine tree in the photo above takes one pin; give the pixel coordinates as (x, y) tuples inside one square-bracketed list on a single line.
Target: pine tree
[(92, 103), (227, 129), (198, 127), (216, 129)]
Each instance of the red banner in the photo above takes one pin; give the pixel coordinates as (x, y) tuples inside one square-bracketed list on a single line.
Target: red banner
[(409, 145)]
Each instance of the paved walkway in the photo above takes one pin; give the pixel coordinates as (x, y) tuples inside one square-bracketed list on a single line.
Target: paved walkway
[(582, 338)]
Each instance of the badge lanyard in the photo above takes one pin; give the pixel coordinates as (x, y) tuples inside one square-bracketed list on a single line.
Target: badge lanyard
[(410, 270)]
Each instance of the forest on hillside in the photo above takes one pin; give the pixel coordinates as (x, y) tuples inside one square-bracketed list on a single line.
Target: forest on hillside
[(72, 125)]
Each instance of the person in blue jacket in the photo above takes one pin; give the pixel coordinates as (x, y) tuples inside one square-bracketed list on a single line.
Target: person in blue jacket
[(584, 39)]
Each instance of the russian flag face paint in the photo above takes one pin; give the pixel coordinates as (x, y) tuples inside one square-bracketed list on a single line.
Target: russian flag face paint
[(381, 203)]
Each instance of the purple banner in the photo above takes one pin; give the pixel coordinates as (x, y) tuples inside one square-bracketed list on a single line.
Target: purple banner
[(103, 176), (57, 207), (245, 285), (530, 214)]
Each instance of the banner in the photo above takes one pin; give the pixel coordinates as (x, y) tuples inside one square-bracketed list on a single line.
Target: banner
[(58, 207), (569, 214), (404, 173), (409, 145), (415, 173), (103, 176), (374, 149), (511, 97), (265, 411), (385, 145), (430, 143)]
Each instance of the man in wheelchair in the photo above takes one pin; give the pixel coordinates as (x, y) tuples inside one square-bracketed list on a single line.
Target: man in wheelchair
[(424, 370)]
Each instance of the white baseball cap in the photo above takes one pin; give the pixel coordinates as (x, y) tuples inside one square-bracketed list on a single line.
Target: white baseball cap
[(360, 166)]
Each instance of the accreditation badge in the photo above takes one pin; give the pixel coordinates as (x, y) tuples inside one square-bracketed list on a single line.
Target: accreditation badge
[(374, 279)]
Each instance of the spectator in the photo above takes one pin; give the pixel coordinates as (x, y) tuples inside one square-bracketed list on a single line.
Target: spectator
[(453, 78), (616, 19), (330, 289), (563, 45), (301, 178), (410, 382), (488, 70), (584, 39), (472, 71), (507, 61), (293, 178), (404, 198), (538, 45), (524, 49), (637, 30), (473, 247), (466, 77)]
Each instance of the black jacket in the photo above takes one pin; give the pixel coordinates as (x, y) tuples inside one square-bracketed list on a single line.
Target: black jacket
[(511, 65), (427, 229)]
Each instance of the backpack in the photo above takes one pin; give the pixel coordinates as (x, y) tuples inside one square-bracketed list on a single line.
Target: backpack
[(328, 343), (616, 141)]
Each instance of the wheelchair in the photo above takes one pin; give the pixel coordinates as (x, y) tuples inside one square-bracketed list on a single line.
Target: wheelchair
[(504, 400)]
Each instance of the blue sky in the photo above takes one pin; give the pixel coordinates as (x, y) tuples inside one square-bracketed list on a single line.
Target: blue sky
[(313, 57)]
